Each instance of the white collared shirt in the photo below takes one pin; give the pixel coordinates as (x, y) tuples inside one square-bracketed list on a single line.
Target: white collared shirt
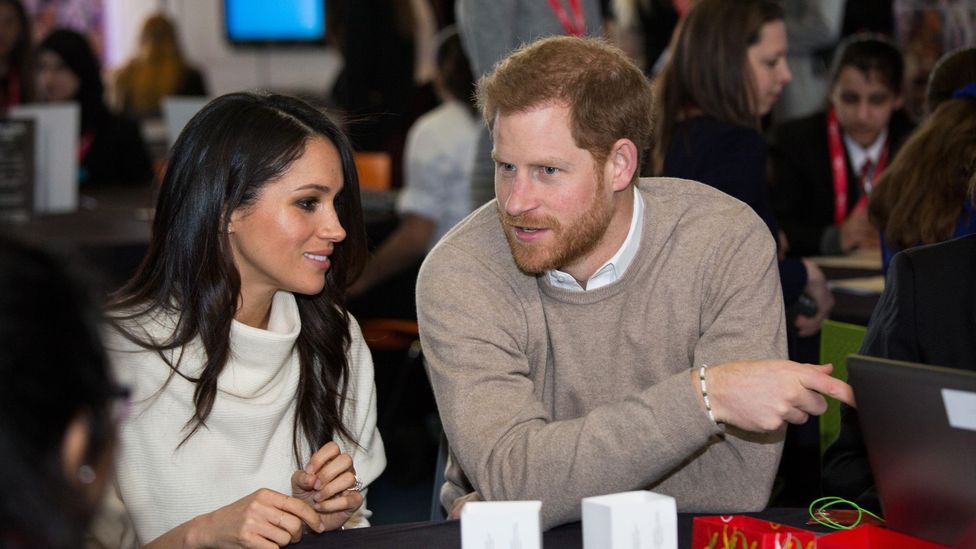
[(859, 155), (616, 266)]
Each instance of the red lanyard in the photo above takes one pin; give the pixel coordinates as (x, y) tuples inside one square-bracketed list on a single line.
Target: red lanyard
[(838, 167), (84, 144), (576, 27)]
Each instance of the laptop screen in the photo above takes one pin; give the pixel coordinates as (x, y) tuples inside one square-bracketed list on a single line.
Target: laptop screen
[(919, 427)]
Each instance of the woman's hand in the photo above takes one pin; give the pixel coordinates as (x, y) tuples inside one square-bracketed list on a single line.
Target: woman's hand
[(328, 484), (265, 519)]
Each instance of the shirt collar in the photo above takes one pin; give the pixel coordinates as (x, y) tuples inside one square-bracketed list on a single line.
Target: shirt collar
[(615, 267), (859, 154)]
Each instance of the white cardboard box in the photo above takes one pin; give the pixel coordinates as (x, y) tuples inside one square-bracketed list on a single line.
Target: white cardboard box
[(56, 128), (501, 525), (630, 520)]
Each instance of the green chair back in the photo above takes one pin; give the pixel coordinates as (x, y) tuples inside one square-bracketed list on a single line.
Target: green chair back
[(837, 340)]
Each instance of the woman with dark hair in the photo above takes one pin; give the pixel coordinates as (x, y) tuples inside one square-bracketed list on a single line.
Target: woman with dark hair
[(110, 147), (15, 45), (727, 69), (254, 404), (57, 429)]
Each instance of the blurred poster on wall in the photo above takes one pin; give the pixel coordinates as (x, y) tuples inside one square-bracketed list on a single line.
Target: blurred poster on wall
[(925, 30), (84, 16)]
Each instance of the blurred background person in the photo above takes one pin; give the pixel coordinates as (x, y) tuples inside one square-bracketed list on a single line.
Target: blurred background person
[(491, 30), (814, 29), (825, 165), (437, 169), (57, 431), (156, 71), (925, 313), (110, 147), (954, 71), (925, 196), (726, 70), (378, 88), (15, 52)]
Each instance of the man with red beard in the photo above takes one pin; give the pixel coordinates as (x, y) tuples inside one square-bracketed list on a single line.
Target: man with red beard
[(590, 332)]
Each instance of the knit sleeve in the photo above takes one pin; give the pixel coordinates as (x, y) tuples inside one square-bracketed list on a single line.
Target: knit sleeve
[(742, 318), (368, 454)]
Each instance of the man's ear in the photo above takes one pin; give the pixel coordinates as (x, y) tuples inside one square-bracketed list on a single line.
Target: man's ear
[(621, 164)]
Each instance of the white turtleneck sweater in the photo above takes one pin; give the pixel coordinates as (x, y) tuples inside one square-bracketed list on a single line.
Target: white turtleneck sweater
[(247, 441)]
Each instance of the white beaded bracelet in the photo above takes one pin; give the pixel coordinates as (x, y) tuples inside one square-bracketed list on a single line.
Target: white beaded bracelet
[(704, 390)]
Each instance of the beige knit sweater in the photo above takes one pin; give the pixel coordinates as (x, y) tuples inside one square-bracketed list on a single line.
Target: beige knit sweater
[(558, 395)]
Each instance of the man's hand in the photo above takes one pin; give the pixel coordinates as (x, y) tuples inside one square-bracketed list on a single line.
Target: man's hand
[(762, 395), (817, 290)]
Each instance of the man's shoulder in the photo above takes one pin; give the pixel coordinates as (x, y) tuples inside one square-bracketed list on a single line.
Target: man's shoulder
[(685, 194), (695, 209)]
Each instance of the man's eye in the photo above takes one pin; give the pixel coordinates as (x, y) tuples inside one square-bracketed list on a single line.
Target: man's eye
[(506, 167), (549, 170)]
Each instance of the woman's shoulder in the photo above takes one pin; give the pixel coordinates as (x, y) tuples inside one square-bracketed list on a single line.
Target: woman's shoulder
[(707, 131)]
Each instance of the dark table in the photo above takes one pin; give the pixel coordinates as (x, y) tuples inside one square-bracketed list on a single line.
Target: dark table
[(854, 308), (447, 534)]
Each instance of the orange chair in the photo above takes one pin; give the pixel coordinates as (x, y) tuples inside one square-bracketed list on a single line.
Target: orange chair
[(375, 169)]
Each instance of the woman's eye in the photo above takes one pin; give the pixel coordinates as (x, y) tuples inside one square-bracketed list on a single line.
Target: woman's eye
[(308, 204)]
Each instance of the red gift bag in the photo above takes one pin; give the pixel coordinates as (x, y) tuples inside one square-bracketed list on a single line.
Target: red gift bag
[(872, 537), (741, 532)]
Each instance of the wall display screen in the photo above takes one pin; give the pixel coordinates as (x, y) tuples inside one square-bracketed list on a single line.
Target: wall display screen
[(279, 22)]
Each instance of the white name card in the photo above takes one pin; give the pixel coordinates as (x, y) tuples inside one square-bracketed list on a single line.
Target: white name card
[(631, 520), (960, 408), (501, 525), (56, 129)]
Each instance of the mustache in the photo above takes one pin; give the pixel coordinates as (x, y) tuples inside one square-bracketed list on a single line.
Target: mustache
[(531, 221)]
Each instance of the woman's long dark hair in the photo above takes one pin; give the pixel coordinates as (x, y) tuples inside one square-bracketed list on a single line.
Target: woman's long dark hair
[(709, 68), (19, 62), (220, 162), (54, 370)]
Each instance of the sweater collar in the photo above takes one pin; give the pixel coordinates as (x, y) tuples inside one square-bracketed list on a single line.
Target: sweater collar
[(259, 358)]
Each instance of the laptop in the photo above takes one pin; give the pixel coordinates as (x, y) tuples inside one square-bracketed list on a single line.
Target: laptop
[(919, 427), (177, 111)]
